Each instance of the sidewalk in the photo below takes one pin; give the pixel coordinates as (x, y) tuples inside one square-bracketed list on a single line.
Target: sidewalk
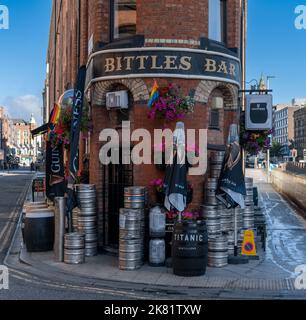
[(286, 249)]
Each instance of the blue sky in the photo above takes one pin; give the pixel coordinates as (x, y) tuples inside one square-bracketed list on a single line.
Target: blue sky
[(23, 56), (275, 48)]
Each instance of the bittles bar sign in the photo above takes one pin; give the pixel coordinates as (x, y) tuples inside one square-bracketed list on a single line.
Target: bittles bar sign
[(163, 62)]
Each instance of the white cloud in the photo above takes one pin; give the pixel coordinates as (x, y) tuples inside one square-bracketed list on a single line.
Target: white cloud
[(23, 106)]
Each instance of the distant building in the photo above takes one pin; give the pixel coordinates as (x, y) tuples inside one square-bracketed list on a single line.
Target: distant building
[(300, 131), (16, 140), (284, 125), (300, 102)]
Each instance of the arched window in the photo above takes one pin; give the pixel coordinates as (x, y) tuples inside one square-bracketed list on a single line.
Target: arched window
[(123, 19), (217, 17)]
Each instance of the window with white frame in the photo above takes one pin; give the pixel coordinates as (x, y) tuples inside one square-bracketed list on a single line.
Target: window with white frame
[(217, 20)]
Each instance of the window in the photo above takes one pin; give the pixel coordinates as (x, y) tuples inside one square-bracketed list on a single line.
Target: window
[(217, 12), (123, 19)]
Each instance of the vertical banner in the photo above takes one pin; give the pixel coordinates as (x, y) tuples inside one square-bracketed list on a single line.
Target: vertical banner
[(76, 122), (55, 176), (77, 112)]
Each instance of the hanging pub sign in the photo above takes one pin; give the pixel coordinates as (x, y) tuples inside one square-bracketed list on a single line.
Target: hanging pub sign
[(258, 115)]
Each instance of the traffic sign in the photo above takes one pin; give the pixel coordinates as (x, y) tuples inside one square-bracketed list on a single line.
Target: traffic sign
[(248, 246)]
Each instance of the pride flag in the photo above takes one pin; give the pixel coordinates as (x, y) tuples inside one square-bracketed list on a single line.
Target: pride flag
[(154, 94), (55, 114)]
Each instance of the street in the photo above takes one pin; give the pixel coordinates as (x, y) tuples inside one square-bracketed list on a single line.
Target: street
[(286, 249)]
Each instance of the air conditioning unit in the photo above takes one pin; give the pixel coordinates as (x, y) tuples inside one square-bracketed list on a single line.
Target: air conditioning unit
[(117, 99), (217, 103)]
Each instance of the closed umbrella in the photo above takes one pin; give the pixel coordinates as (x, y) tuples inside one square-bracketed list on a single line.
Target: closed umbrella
[(231, 186), (175, 182)]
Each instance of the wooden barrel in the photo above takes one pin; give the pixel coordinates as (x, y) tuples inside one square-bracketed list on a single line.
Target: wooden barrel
[(39, 230), (189, 248)]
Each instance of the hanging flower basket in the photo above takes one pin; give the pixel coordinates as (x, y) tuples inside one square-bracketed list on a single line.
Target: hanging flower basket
[(171, 105), (254, 142), (61, 132)]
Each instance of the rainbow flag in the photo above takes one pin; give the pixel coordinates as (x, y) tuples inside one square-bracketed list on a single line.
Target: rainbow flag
[(154, 94), (55, 114)]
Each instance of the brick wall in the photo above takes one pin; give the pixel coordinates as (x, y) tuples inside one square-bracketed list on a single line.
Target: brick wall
[(178, 23)]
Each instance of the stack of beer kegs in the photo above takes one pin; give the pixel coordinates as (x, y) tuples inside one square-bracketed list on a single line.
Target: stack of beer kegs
[(87, 217), (132, 228), (248, 215), (157, 247), (216, 160)]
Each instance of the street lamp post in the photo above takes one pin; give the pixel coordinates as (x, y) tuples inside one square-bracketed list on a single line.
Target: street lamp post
[(268, 151)]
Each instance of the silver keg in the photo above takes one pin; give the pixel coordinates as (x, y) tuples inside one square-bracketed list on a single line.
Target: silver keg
[(239, 214), (216, 157), (157, 252), (75, 215), (213, 220), (157, 222), (231, 242), (135, 197), (130, 254), (210, 191), (215, 170), (226, 218), (74, 248), (249, 191), (248, 217), (131, 224), (218, 252)]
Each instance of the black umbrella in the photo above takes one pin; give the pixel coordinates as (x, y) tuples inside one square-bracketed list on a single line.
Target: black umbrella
[(175, 182), (231, 185)]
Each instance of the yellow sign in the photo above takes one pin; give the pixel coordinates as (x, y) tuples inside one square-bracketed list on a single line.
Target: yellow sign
[(248, 246)]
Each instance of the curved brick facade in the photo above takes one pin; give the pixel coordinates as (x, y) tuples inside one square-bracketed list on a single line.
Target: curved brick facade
[(175, 23)]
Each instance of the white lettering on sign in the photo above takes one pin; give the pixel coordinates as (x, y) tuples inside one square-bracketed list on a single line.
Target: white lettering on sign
[(300, 20), (300, 281), (4, 278), (4, 17)]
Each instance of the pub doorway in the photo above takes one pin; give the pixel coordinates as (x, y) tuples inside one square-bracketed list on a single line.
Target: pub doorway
[(116, 177)]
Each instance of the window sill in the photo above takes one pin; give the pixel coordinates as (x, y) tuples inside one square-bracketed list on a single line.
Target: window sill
[(214, 128)]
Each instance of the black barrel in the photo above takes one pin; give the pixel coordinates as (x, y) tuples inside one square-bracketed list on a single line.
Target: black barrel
[(190, 248), (39, 231)]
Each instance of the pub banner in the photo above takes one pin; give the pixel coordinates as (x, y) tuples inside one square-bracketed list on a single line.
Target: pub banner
[(55, 173), (164, 62)]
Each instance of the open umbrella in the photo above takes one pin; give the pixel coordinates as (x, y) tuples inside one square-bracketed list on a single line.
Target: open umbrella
[(175, 182)]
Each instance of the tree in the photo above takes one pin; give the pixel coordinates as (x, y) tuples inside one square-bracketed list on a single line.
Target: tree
[(277, 150)]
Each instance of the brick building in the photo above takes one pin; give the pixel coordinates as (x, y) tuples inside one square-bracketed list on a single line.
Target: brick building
[(127, 44)]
